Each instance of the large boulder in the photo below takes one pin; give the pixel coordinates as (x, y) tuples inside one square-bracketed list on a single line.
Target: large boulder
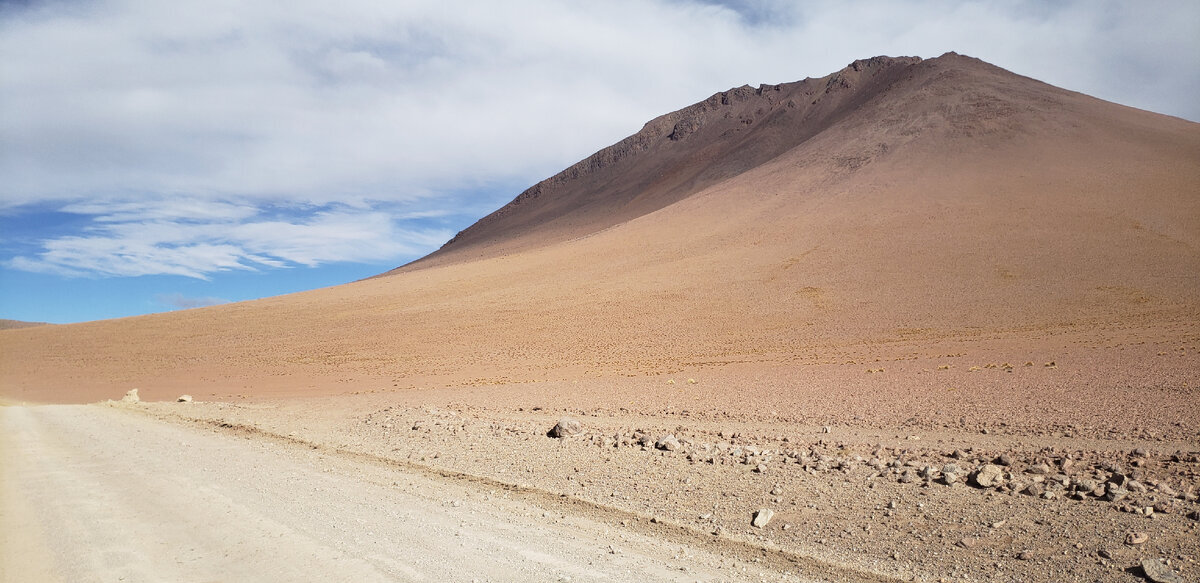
[(988, 476), (667, 443), (762, 517), (1159, 572), (566, 427)]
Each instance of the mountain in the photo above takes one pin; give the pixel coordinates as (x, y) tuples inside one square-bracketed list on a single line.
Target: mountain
[(11, 324), (849, 119), (898, 209), (676, 155)]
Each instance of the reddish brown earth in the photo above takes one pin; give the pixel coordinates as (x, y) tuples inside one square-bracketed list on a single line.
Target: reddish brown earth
[(903, 248)]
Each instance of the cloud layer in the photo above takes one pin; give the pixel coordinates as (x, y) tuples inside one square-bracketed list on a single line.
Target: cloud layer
[(199, 238), (389, 108)]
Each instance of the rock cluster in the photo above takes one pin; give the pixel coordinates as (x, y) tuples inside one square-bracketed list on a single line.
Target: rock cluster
[(1135, 482)]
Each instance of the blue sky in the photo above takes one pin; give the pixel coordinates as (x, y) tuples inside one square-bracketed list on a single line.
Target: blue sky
[(165, 155)]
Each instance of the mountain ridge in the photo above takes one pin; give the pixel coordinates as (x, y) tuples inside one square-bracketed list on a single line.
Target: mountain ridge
[(676, 126), (680, 153)]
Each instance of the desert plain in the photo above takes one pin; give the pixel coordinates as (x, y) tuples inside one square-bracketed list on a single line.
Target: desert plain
[(916, 320)]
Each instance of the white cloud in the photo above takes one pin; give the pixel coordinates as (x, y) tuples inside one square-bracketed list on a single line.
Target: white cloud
[(152, 209), (382, 100), (218, 109), (210, 239)]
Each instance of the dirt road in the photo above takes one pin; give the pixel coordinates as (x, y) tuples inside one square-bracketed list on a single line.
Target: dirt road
[(91, 493)]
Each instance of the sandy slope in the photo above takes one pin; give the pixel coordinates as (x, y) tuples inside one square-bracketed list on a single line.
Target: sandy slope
[(96, 494), (899, 210)]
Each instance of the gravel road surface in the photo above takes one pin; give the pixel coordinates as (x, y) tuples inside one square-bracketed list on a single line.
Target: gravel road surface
[(91, 493)]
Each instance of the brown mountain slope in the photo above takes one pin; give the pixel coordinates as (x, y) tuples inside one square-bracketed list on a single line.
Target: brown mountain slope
[(674, 156), (902, 215), (890, 102)]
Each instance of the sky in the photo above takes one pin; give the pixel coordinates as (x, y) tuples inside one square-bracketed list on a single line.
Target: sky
[(158, 156)]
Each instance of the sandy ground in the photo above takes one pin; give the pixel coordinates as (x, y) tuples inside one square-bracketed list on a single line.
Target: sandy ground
[(98, 494), (844, 496)]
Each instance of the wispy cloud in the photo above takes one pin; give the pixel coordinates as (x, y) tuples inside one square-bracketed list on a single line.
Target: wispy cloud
[(197, 238)]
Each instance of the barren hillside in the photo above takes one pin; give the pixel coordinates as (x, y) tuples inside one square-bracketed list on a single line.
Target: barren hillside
[(777, 238)]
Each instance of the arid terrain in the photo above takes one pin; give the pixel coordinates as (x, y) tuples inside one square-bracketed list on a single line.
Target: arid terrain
[(942, 320)]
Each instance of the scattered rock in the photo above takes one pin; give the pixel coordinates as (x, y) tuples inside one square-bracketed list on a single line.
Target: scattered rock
[(1024, 555), (762, 517), (1105, 554), (565, 427), (667, 443), (1115, 493), (184, 399), (777, 490), (826, 429), (130, 397), (1156, 570), (1136, 538), (760, 468), (988, 476), (1085, 485), (968, 543), (1035, 489), (1004, 460)]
